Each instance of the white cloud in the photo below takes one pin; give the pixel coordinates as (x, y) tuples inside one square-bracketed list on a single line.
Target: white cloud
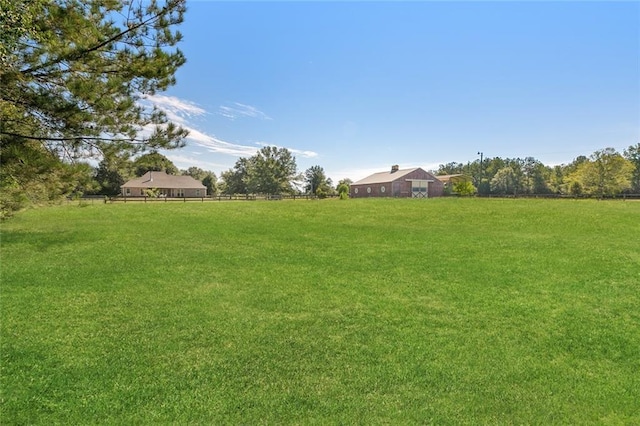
[(177, 110), (213, 144), (237, 110), (185, 161), (181, 112)]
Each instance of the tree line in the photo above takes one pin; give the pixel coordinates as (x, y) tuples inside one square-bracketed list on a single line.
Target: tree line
[(270, 171), (606, 172)]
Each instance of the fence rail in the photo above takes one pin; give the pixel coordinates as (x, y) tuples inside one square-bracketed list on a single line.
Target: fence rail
[(235, 197), (565, 196), (92, 199)]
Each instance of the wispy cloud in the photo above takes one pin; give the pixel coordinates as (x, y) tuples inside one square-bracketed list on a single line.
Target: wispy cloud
[(184, 161), (177, 110), (237, 110), (183, 112), (215, 145)]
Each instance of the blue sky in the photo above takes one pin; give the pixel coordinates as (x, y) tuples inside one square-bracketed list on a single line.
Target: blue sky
[(358, 86)]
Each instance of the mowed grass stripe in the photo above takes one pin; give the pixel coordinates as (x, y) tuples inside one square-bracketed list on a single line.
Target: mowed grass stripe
[(448, 311)]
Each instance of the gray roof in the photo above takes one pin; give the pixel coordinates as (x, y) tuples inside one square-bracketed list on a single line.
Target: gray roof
[(384, 177), (163, 180)]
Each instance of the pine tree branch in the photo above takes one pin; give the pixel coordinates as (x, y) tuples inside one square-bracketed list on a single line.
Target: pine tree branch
[(73, 138), (79, 54)]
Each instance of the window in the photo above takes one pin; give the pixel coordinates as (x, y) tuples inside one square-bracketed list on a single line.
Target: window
[(368, 190), (127, 191), (180, 192), (197, 192), (142, 191), (355, 191), (382, 189)]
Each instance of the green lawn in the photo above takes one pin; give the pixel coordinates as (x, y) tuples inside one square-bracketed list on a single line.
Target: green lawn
[(441, 311)]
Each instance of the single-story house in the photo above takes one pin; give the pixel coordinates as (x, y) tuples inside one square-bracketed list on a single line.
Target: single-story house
[(167, 186), (416, 183)]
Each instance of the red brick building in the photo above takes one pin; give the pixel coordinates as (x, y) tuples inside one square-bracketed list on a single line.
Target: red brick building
[(415, 183)]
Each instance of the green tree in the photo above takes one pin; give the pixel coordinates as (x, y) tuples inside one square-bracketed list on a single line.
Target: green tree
[(211, 182), (73, 73), (343, 190), (195, 172), (271, 171), (464, 188), (506, 181), (155, 162), (316, 181), (555, 181), (112, 172), (31, 175), (234, 181), (605, 173), (452, 168), (632, 154)]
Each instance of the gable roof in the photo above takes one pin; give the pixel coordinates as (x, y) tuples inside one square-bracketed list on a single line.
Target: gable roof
[(384, 177), (163, 180)]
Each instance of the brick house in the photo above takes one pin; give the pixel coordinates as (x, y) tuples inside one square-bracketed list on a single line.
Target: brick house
[(167, 186), (415, 183)]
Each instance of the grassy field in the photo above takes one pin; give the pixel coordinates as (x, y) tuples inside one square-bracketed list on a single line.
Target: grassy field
[(442, 311)]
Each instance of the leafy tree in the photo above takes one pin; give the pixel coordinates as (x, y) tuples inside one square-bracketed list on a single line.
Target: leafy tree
[(271, 171), (346, 181), (452, 168), (536, 176), (316, 181), (343, 190), (464, 188), (605, 173), (31, 175), (555, 181), (632, 154), (575, 188), (195, 172), (234, 181), (154, 162), (112, 172), (573, 166), (506, 181), (211, 182), (73, 73)]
